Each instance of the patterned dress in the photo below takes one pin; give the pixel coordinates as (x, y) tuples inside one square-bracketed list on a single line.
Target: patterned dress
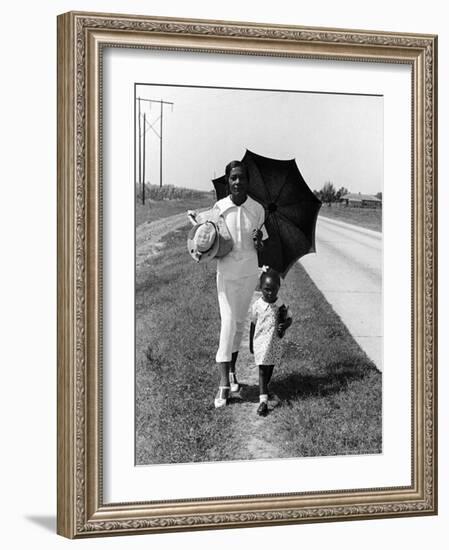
[(267, 344)]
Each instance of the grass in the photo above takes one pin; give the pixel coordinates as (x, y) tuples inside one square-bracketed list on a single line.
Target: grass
[(176, 327), (171, 192), (330, 392), (162, 202), (369, 218)]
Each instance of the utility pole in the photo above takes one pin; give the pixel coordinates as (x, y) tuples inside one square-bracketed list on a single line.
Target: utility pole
[(160, 148), (144, 150), (140, 148), (151, 127)]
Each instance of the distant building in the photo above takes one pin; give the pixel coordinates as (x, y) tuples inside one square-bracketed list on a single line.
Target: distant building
[(358, 200)]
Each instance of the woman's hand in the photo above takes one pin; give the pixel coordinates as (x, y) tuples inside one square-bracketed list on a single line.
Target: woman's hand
[(257, 239)]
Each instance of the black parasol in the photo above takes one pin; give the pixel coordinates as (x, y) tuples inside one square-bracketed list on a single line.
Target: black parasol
[(221, 187), (291, 209)]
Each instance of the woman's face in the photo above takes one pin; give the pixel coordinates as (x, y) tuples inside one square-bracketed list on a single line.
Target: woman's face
[(238, 183)]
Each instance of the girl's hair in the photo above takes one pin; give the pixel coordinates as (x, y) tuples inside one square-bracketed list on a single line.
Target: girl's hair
[(235, 164), (271, 273)]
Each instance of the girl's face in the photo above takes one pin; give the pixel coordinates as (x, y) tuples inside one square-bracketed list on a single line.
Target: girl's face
[(270, 290)]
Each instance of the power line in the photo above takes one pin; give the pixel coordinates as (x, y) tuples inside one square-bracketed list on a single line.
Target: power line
[(146, 126), (155, 101), (151, 127)]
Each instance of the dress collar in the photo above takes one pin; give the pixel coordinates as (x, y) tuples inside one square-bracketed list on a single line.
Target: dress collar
[(226, 204), (266, 305)]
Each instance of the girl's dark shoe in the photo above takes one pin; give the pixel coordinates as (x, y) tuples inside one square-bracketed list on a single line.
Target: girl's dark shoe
[(262, 409)]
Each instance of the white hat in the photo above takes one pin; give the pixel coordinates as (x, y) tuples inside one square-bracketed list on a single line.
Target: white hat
[(203, 242)]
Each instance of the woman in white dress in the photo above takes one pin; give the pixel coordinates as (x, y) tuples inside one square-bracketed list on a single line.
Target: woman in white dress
[(237, 272)]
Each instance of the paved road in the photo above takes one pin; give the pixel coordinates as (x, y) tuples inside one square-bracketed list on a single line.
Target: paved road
[(347, 268)]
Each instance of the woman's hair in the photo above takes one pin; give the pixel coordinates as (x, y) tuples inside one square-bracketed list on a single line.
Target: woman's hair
[(268, 272), (235, 164)]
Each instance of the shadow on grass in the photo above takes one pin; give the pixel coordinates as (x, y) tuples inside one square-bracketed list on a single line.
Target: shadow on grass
[(294, 386)]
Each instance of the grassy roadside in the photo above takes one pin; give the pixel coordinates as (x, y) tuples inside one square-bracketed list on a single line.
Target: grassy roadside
[(330, 392), (154, 210), (364, 217), (177, 323)]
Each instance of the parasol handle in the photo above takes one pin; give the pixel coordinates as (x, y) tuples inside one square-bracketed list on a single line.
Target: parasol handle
[(260, 228)]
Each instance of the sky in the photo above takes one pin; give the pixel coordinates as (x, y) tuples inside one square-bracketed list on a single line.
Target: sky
[(333, 137)]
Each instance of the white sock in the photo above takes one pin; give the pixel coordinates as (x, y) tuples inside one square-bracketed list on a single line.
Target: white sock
[(263, 397)]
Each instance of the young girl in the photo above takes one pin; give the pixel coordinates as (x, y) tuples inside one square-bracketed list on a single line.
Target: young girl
[(269, 320)]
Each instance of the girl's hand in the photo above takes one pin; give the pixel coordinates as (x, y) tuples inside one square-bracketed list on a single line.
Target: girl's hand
[(281, 329)]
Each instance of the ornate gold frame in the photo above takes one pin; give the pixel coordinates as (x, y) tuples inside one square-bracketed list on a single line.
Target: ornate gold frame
[(81, 37)]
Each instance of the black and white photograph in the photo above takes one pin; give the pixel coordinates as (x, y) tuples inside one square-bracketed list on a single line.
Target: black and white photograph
[(247, 289), (258, 273)]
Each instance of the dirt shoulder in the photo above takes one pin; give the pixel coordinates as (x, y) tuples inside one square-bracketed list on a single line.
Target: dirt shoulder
[(150, 234)]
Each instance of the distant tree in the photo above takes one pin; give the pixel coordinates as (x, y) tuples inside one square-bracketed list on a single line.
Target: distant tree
[(317, 194), (379, 195), (341, 193), (328, 193)]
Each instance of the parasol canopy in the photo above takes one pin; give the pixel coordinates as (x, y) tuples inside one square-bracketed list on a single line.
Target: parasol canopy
[(291, 209)]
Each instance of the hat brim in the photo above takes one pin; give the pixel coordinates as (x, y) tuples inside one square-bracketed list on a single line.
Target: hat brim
[(198, 256)]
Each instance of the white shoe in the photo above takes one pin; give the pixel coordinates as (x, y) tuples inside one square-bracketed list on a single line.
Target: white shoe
[(221, 399), (235, 386)]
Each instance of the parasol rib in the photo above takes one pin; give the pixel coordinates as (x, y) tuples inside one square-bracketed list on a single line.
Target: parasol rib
[(281, 189), (265, 187)]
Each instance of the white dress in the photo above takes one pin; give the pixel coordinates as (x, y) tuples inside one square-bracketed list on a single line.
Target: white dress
[(237, 272), (267, 344)]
